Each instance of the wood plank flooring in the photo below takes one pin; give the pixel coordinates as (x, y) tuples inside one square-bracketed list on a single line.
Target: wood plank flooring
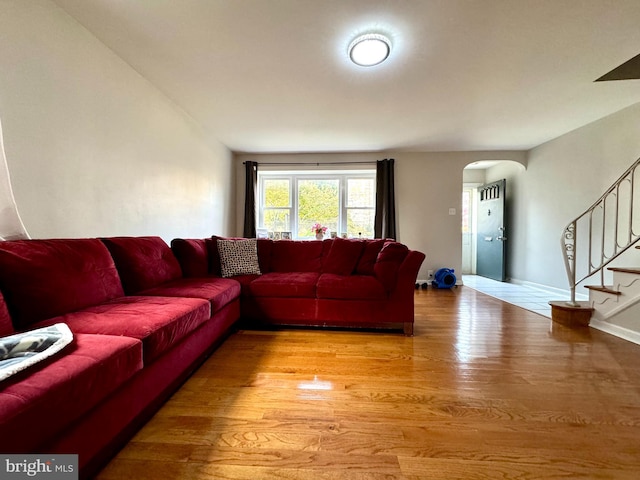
[(484, 390)]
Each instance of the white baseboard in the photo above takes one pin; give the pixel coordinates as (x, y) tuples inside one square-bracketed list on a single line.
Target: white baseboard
[(547, 288), (617, 331), (429, 282)]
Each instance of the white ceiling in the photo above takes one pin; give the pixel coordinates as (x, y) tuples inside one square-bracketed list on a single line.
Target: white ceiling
[(274, 75)]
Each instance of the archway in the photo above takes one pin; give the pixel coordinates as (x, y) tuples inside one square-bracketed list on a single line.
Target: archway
[(475, 175)]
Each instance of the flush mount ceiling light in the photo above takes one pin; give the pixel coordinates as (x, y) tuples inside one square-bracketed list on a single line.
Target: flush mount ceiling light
[(369, 49)]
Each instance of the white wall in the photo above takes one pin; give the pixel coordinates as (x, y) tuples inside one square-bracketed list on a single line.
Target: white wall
[(93, 148), (474, 176), (427, 186), (563, 178)]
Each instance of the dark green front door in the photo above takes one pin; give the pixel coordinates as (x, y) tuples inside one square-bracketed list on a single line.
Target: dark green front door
[(492, 231)]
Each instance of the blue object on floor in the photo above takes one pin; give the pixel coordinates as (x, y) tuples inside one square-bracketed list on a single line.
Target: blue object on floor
[(444, 278)]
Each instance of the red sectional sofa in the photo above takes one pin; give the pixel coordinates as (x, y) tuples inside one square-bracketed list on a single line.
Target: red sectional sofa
[(336, 282), (145, 315)]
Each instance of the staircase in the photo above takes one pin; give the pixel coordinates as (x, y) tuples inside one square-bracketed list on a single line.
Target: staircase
[(606, 231)]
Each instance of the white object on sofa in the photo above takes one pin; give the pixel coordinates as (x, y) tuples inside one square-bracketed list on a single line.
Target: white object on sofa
[(23, 350)]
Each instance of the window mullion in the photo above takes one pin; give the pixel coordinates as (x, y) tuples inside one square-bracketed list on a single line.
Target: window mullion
[(293, 221), (343, 205)]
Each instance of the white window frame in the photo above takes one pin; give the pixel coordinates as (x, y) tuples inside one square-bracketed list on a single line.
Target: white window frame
[(261, 199), (294, 178)]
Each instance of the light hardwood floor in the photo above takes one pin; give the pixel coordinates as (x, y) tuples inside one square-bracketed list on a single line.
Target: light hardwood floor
[(484, 390)]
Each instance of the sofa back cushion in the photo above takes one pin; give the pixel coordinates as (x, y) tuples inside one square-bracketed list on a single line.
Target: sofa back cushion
[(143, 262), (393, 252), (296, 256), (369, 256), (192, 255), (265, 247), (6, 326), (343, 256), (41, 279)]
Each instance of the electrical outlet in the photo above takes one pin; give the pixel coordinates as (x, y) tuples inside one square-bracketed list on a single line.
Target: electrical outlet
[(430, 274)]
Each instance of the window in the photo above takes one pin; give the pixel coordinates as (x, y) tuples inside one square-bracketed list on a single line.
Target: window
[(276, 204), (342, 201)]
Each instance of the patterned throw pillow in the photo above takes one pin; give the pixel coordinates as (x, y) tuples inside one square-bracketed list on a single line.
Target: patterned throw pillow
[(238, 257)]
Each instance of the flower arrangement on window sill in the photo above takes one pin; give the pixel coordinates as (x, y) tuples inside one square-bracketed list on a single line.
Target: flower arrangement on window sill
[(319, 230)]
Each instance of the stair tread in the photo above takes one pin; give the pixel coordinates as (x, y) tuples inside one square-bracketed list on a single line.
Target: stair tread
[(603, 289), (625, 270), (565, 305)]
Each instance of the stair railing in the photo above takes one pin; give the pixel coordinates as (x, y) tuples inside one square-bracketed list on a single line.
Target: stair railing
[(609, 227)]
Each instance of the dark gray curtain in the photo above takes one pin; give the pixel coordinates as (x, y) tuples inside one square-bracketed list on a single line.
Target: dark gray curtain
[(385, 219), (251, 186)]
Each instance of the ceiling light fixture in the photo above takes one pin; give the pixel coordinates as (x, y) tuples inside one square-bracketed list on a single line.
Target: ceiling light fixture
[(369, 49)]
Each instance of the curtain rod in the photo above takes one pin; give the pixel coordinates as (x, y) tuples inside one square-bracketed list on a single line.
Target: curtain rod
[(317, 164)]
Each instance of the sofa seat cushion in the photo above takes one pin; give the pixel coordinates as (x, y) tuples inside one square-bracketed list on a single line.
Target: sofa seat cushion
[(39, 402), (293, 284), (44, 278), (159, 322), (219, 291), (245, 282), (350, 287), (143, 262)]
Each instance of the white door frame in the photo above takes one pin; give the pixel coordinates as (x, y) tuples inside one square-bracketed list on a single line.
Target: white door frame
[(469, 254)]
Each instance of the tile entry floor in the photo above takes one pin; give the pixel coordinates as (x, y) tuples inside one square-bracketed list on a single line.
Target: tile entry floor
[(533, 298)]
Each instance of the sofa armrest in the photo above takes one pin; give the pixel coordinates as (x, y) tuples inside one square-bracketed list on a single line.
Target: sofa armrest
[(408, 273), (402, 297), (388, 263)]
